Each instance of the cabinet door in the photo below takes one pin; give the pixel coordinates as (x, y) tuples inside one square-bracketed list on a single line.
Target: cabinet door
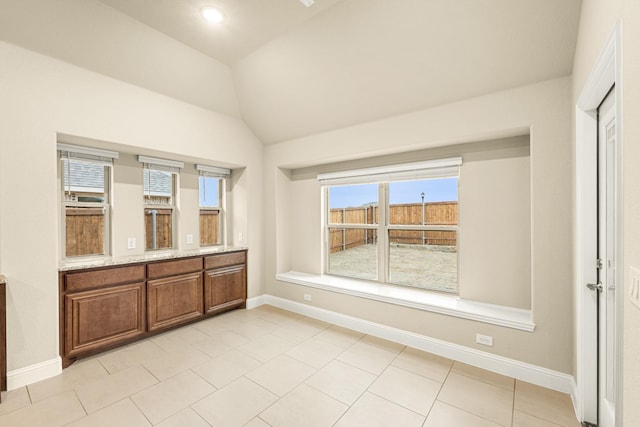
[(103, 317), (225, 288), (174, 300)]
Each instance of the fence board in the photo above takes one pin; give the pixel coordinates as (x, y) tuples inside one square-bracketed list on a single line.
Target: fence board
[(209, 227), (84, 231), (163, 228)]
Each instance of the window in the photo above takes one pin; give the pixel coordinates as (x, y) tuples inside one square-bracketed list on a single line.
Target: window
[(396, 225), (212, 201), (160, 183), (85, 178)]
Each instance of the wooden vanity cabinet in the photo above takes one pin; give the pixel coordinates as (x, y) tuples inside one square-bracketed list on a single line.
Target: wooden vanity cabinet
[(174, 293), (102, 308), (225, 282), (105, 307)]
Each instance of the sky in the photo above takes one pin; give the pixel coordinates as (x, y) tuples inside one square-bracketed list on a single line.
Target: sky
[(435, 190), (209, 192)]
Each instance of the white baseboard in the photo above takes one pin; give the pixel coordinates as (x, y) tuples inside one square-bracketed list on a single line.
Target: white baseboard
[(513, 368), (34, 373), (255, 302)]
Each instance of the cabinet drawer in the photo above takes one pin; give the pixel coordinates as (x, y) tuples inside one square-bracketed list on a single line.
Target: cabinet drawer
[(171, 268), (224, 260), (104, 277)]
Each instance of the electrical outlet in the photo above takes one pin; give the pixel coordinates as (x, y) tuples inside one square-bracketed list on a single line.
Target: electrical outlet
[(189, 239), (484, 340), (307, 297), (240, 236), (131, 243), (634, 288)]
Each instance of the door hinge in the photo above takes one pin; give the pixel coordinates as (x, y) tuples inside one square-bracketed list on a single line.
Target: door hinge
[(595, 286)]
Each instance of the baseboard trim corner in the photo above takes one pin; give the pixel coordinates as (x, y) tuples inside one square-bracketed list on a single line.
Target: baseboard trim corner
[(255, 302), (30, 374)]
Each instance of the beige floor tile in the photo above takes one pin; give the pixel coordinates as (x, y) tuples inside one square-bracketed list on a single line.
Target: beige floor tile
[(175, 362), (257, 422), (543, 403), (368, 357), (304, 406), (443, 415), (79, 373), (171, 396), (297, 330), (489, 377), (179, 338), (341, 381), (55, 411), (228, 338), (211, 348), (122, 413), (185, 418), (423, 363), (14, 400), (234, 405), (132, 355), (373, 411), (383, 344), (267, 347), (339, 336), (520, 419), (280, 318), (211, 326), (253, 329), (314, 352), (407, 389), (482, 399), (226, 368), (281, 374), (101, 393)]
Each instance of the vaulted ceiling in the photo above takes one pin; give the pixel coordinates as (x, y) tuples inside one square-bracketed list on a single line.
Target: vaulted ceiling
[(290, 71)]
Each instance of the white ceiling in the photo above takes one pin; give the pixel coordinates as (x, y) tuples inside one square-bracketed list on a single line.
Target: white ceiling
[(290, 71)]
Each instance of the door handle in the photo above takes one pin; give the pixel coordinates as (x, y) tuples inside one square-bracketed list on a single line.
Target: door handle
[(595, 286)]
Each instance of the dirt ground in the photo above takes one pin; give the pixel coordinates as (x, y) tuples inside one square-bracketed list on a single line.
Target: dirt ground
[(428, 267)]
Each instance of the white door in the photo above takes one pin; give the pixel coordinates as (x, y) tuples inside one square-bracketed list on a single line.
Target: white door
[(608, 261)]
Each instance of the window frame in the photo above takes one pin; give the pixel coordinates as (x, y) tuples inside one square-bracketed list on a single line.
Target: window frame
[(383, 177), (72, 153)]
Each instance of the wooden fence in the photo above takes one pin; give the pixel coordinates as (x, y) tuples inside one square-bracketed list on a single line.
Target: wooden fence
[(209, 219), (84, 231), (162, 231), (436, 213)]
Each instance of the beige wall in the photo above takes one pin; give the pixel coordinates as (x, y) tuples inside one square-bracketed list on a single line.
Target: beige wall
[(544, 111), (597, 21), (41, 98)]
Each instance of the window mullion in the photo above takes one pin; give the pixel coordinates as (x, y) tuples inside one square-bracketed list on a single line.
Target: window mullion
[(383, 235)]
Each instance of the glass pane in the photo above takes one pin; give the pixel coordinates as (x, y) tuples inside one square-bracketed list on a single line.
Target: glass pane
[(353, 204), (83, 181), (353, 253), (209, 227), (158, 228), (158, 187), (209, 192), (84, 231), (424, 259), (427, 201)]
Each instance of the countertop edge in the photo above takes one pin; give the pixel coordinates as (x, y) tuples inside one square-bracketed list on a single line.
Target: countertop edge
[(3, 280), (144, 258)]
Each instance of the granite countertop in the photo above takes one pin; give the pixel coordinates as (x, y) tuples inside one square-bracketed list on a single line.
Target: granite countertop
[(147, 257)]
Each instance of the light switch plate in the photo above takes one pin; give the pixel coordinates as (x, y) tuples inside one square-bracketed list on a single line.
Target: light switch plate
[(634, 287), (131, 243), (189, 239)]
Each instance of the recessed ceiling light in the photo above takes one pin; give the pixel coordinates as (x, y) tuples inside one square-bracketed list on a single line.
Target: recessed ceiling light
[(212, 15)]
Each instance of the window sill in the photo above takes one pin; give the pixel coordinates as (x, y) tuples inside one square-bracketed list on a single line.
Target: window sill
[(450, 305)]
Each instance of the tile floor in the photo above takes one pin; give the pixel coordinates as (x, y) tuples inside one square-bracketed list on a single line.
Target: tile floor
[(270, 367)]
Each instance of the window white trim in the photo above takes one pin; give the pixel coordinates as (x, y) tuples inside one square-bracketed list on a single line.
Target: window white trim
[(161, 164), (450, 305), (439, 168), (213, 171), (87, 151)]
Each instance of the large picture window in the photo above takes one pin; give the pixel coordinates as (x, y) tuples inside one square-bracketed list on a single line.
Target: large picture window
[(396, 225), (85, 178), (212, 204)]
